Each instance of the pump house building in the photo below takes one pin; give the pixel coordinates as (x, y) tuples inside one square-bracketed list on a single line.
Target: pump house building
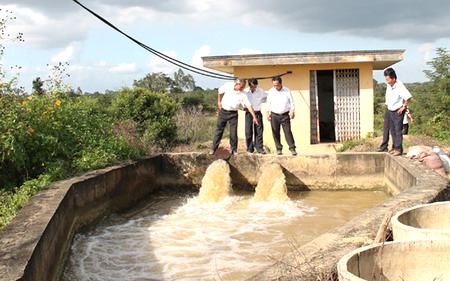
[(332, 91)]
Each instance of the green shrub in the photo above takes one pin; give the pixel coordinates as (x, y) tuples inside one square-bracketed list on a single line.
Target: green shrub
[(349, 144), (11, 201), (57, 135), (153, 114)]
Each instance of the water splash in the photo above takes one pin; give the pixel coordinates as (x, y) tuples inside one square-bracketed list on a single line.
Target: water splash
[(216, 184), (271, 185), (175, 237)]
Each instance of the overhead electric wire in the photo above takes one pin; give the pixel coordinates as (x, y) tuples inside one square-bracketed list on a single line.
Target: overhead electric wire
[(171, 60), (159, 54)]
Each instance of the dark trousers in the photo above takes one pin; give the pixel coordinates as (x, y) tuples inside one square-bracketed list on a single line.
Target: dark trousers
[(224, 117), (253, 130), (393, 122), (405, 129), (386, 130), (285, 121)]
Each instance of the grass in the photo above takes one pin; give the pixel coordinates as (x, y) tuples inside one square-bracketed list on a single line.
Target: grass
[(11, 201)]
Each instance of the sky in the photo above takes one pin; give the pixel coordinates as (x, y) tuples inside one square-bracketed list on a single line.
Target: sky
[(100, 58)]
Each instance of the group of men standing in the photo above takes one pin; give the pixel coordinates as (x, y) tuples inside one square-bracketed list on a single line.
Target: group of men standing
[(280, 109)]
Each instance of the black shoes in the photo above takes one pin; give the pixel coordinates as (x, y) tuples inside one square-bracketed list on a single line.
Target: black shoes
[(381, 150), (261, 152), (294, 153)]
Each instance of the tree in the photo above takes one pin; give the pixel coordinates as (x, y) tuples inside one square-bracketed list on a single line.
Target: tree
[(38, 85), (161, 83), (155, 82), (440, 73), (182, 81), (440, 76), (440, 66), (152, 113), (431, 100)]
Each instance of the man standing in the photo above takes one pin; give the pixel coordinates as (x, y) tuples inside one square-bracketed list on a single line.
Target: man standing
[(256, 96), (280, 111), (230, 99), (397, 99)]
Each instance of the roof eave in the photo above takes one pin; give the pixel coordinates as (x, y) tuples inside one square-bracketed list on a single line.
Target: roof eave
[(380, 59)]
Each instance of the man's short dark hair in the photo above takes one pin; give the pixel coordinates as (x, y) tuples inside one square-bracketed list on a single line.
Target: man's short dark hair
[(277, 78), (390, 72), (253, 81)]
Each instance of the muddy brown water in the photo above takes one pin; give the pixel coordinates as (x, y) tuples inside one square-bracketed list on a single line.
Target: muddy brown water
[(176, 237)]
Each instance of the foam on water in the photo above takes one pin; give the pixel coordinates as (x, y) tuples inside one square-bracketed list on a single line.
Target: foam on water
[(213, 236), (228, 240)]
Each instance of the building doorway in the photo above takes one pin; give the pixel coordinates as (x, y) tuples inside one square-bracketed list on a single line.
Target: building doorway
[(334, 105), (325, 99)]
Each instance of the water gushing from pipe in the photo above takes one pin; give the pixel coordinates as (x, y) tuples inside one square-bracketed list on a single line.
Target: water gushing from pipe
[(216, 184), (271, 185)]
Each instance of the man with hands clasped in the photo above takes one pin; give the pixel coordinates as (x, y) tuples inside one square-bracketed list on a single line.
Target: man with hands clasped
[(280, 110)]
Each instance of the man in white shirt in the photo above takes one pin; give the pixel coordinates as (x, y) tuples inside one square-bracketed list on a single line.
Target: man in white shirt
[(280, 111), (256, 96), (397, 99), (230, 99)]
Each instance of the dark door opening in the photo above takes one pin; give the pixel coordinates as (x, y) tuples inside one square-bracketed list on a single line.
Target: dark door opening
[(325, 100)]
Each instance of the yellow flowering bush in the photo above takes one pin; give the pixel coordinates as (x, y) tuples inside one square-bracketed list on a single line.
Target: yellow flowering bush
[(39, 132)]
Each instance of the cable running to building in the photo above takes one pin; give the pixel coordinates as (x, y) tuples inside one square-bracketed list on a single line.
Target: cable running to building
[(171, 60)]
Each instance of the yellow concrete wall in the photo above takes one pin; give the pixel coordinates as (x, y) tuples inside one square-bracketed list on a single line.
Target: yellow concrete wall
[(298, 82)]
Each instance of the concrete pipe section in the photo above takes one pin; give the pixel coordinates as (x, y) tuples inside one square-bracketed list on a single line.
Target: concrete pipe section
[(400, 260), (427, 221)]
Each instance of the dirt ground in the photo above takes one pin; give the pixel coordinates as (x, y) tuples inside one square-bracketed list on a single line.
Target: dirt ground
[(368, 145)]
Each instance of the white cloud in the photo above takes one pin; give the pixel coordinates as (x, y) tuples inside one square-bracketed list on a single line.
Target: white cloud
[(46, 24), (427, 49), (123, 68), (101, 63), (134, 14), (202, 5), (46, 31), (203, 51), (67, 55), (157, 64), (55, 26)]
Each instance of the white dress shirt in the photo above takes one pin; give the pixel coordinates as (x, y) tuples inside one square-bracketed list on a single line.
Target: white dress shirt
[(396, 95), (232, 99), (280, 102), (405, 118), (256, 98)]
